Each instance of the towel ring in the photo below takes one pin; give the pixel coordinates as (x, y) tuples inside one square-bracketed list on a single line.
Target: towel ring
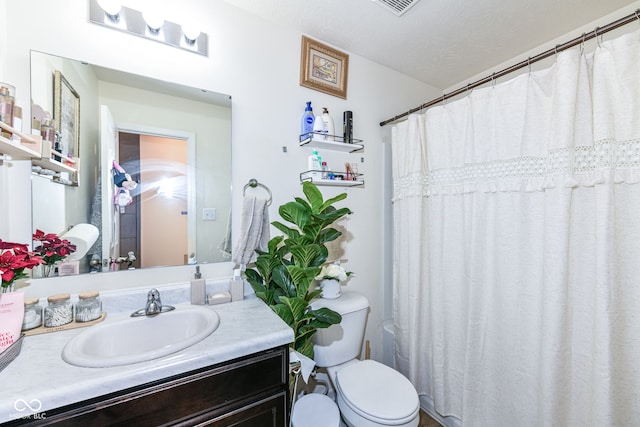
[(253, 183)]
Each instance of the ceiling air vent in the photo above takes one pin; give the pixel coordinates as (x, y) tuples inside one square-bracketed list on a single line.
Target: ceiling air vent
[(399, 7)]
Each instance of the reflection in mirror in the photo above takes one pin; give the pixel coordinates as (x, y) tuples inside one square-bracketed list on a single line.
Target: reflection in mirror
[(154, 168)]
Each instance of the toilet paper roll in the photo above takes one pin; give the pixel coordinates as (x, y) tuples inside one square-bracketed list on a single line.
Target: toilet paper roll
[(83, 236)]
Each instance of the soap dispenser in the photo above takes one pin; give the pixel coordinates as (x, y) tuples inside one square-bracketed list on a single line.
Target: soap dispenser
[(237, 286), (198, 288), (307, 120), (328, 124)]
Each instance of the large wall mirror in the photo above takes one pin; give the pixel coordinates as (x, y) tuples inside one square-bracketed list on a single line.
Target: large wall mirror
[(171, 142)]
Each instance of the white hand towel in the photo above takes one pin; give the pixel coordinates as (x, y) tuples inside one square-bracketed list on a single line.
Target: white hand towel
[(254, 230)]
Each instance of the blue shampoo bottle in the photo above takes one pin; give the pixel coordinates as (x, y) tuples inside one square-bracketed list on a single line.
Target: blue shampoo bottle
[(307, 120)]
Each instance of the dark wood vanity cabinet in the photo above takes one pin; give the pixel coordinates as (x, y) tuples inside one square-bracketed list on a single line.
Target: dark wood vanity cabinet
[(251, 391)]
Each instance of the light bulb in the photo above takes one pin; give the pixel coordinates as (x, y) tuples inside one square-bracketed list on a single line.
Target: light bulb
[(111, 8), (190, 32), (154, 20)]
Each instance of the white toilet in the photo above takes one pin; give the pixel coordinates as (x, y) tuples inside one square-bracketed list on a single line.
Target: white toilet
[(369, 394)]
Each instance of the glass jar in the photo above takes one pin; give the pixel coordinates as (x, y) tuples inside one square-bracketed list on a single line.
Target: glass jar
[(48, 132), (32, 314), (7, 102), (59, 311), (88, 307)]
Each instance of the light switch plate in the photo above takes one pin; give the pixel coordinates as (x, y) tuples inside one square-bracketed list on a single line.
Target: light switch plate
[(209, 214)]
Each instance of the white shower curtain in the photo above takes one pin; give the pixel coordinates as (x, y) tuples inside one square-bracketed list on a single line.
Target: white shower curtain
[(517, 246)]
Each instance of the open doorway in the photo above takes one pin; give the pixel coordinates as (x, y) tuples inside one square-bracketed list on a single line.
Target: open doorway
[(155, 225)]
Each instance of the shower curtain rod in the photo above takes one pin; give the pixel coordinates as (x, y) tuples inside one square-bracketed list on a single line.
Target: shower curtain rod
[(559, 48)]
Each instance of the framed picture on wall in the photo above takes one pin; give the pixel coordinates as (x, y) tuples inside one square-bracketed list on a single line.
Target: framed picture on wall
[(323, 68), (67, 116)]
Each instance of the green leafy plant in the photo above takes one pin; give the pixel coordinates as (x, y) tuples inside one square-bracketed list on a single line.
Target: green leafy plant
[(283, 274)]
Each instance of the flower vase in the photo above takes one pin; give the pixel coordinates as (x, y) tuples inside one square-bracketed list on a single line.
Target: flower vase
[(330, 288), (48, 270), (7, 289)]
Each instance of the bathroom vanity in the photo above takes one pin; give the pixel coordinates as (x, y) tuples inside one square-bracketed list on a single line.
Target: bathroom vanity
[(236, 376)]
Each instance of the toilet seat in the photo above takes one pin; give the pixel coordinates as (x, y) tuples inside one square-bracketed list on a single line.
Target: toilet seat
[(377, 393), (315, 410)]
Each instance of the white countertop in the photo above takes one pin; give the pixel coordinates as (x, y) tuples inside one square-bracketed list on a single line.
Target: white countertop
[(40, 378)]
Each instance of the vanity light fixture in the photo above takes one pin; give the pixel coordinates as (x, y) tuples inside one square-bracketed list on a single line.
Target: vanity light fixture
[(149, 25)]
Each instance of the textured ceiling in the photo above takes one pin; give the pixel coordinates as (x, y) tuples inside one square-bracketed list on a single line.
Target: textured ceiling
[(439, 42)]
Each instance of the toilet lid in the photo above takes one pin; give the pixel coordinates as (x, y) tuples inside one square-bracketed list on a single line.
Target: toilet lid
[(378, 393), (315, 410)]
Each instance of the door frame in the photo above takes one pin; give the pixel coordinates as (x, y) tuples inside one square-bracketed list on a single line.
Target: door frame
[(190, 137)]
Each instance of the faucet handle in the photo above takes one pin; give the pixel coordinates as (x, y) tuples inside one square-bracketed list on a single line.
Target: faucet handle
[(153, 295), (154, 304)]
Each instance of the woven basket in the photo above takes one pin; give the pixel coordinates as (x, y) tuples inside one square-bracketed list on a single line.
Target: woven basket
[(10, 353)]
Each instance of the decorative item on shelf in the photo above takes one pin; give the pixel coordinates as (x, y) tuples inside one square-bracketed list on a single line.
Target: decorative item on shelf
[(52, 249), (331, 276), (15, 258), (48, 132), (7, 101)]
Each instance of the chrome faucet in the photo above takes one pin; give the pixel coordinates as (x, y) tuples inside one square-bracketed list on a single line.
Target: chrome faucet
[(154, 305)]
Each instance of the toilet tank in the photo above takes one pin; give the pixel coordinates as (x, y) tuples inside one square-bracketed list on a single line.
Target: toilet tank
[(342, 342)]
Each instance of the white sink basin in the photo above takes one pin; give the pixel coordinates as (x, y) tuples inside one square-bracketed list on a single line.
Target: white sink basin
[(138, 339)]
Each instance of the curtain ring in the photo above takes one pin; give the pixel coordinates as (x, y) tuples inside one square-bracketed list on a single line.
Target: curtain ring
[(596, 36), (584, 36), (529, 64), (493, 79), (637, 15), (468, 86)]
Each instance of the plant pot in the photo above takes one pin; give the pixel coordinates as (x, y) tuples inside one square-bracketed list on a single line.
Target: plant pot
[(330, 288), (49, 270)]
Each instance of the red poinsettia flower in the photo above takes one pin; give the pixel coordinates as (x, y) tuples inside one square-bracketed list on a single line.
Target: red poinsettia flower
[(52, 248), (12, 245), (14, 259)]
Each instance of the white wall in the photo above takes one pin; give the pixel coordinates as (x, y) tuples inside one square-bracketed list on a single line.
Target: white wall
[(258, 64)]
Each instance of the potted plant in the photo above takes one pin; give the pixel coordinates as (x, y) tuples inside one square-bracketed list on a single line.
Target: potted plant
[(331, 276), (283, 274), (52, 249)]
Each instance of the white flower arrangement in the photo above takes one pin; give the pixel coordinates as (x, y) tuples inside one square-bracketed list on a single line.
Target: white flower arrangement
[(333, 271)]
